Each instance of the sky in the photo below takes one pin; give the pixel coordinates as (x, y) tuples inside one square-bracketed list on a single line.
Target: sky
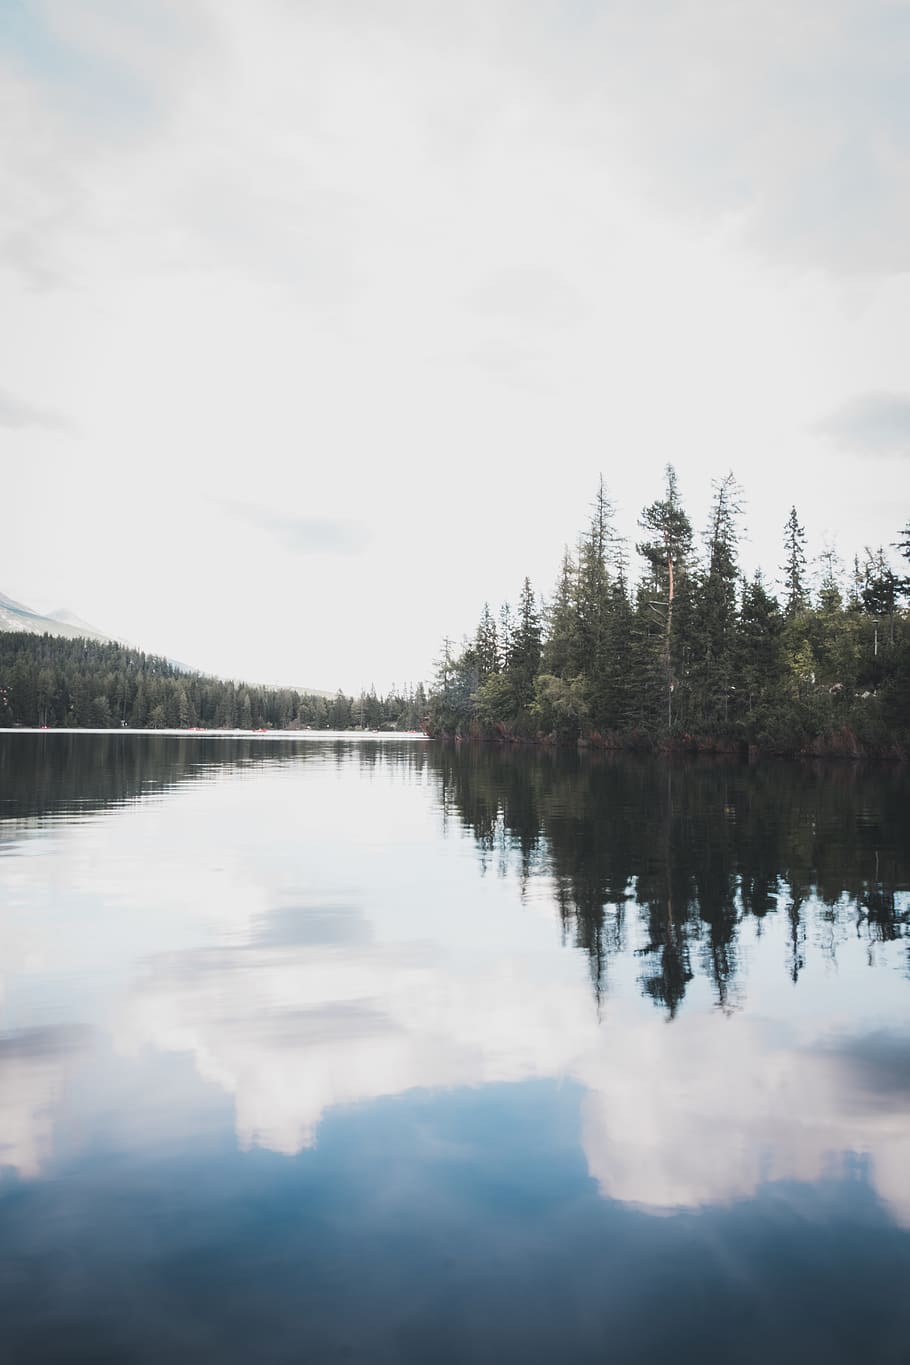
[(321, 322)]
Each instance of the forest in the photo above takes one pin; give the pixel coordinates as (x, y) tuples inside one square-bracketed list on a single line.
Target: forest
[(679, 649), (46, 680), (675, 648)]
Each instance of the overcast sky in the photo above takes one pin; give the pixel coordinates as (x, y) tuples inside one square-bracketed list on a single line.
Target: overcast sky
[(320, 320)]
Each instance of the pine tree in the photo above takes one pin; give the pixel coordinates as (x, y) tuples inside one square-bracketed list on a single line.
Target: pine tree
[(523, 662), (794, 566), (758, 656), (830, 597), (562, 623), (593, 604), (881, 589), (486, 645), (903, 544), (504, 635), (666, 556), (619, 685), (715, 616)]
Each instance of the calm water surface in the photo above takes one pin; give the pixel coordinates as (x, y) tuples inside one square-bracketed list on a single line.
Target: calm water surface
[(378, 1051)]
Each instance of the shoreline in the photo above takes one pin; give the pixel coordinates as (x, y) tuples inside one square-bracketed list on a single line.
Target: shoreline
[(843, 746), (198, 733)]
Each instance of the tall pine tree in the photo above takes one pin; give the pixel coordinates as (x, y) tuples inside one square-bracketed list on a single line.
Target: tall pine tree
[(794, 565), (666, 555)]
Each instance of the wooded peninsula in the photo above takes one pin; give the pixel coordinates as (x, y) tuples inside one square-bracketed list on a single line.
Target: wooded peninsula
[(685, 652), (45, 680)]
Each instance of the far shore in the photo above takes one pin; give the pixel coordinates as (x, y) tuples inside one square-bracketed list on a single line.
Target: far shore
[(193, 732)]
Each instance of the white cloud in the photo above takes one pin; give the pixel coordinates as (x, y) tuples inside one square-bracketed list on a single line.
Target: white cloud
[(303, 534), (871, 424), (429, 270), (16, 413)]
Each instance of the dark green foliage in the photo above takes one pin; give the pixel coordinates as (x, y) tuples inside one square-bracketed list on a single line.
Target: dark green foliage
[(691, 655), (794, 566), (559, 650), (493, 697), (759, 660), (667, 557), (486, 645), (712, 637), (523, 660), (902, 545), (881, 589), (45, 680)]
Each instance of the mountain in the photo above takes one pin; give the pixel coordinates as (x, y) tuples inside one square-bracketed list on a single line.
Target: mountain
[(15, 616), (69, 618)]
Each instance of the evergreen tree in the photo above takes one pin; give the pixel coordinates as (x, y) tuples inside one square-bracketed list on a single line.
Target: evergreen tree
[(903, 544), (715, 622), (830, 596), (593, 602), (794, 566), (486, 645), (667, 556), (759, 661), (504, 635), (618, 681), (561, 650), (523, 663), (881, 589), (693, 650)]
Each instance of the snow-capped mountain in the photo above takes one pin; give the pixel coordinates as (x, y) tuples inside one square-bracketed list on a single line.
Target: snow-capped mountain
[(15, 616)]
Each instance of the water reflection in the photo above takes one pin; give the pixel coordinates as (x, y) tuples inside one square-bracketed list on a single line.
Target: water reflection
[(696, 847), (64, 774), (700, 1114), (33, 1068), (379, 960)]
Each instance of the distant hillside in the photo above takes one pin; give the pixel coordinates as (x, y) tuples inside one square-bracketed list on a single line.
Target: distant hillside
[(47, 681), (65, 624), (69, 618), (68, 626)]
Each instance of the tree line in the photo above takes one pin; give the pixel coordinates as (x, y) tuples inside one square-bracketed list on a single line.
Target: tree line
[(46, 680), (687, 650)]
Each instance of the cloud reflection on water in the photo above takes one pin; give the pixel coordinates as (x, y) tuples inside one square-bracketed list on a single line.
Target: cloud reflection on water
[(310, 938), (699, 1112), (34, 1065)]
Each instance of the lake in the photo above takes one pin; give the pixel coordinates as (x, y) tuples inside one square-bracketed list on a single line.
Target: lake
[(386, 1051)]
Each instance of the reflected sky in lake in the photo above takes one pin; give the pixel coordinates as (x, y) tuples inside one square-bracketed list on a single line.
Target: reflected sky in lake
[(381, 1051)]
